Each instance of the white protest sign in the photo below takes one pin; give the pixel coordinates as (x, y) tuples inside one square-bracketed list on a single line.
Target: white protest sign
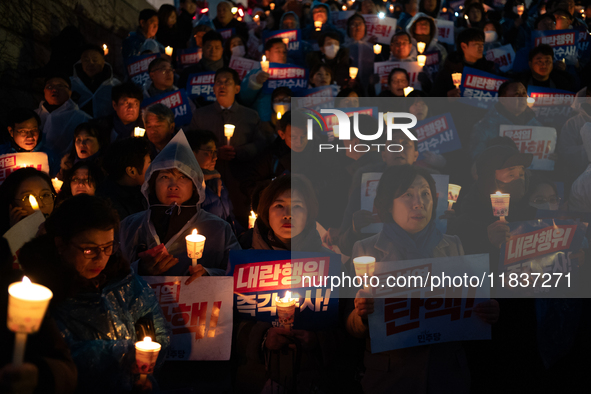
[(537, 140), (445, 31), (243, 65), (11, 162), (199, 315), (406, 317), (382, 28), (22, 232), (412, 68), (502, 56)]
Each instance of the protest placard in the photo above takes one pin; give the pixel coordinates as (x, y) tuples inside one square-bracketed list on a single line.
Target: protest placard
[(262, 276), (432, 63), (189, 56), (201, 85), (503, 57), (383, 70), (537, 140), (177, 101), (137, 67), (437, 134), (289, 75), (563, 42), (243, 65), (416, 316), (445, 31), (318, 98), (551, 105), (227, 33), (11, 162), (479, 89), (294, 37), (199, 315), (22, 232), (382, 28), (542, 248)]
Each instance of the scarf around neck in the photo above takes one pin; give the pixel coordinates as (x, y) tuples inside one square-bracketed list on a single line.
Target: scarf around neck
[(413, 246)]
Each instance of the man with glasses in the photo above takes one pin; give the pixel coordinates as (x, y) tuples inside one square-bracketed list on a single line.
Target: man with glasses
[(25, 136), (246, 143), (402, 49), (542, 72), (161, 78), (59, 114)]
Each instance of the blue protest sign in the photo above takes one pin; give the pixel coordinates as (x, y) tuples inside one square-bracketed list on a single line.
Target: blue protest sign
[(137, 67), (480, 89), (177, 101), (318, 98), (551, 105), (289, 75), (262, 276), (201, 85), (437, 134), (563, 42), (294, 37), (189, 56)]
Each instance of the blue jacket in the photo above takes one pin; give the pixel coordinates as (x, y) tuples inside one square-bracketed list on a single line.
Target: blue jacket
[(136, 43), (309, 32), (255, 98)]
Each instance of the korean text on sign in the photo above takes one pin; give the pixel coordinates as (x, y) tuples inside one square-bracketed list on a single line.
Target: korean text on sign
[(137, 68)]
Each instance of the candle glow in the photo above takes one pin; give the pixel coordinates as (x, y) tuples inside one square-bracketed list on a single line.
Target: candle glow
[(318, 25), (531, 101), (265, 64), (105, 49), (421, 60), (421, 47), (457, 79), (34, 204), (407, 90), (168, 51), (195, 246), (57, 184), (272, 6), (353, 72), (139, 132), (377, 49), (252, 219)]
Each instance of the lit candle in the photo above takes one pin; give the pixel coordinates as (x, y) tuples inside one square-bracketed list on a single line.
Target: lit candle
[(531, 101), (139, 132), (421, 60), (285, 40), (27, 303), (318, 25), (285, 310), (335, 131), (353, 72), (391, 7), (146, 354), (444, 10), (407, 90), (344, 8), (377, 49), (239, 19), (168, 51), (234, 10), (267, 12), (57, 184), (257, 19), (33, 202), (453, 191), (105, 49), (265, 64), (229, 131), (564, 60), (520, 9), (278, 115), (457, 79), (421, 47), (364, 265), (466, 17), (195, 245), (272, 6), (381, 15), (252, 219), (500, 204)]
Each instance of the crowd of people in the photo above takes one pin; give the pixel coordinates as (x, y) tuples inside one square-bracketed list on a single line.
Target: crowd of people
[(127, 172)]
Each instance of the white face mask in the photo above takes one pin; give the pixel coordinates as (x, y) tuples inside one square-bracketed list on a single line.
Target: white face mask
[(283, 108), (239, 51), (490, 36), (330, 51)]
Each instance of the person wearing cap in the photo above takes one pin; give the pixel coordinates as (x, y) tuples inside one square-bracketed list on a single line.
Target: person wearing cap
[(511, 109), (59, 114), (499, 168), (93, 81)]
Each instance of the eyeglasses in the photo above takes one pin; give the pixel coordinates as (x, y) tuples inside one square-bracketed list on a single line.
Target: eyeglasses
[(211, 153), (229, 82), (92, 252), (56, 87), (544, 200), (26, 132), (81, 181), (46, 198), (164, 71)]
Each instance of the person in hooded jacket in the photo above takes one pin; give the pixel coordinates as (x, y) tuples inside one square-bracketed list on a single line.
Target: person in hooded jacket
[(422, 28), (98, 301), (174, 190), (25, 136), (320, 12), (143, 39), (93, 81)]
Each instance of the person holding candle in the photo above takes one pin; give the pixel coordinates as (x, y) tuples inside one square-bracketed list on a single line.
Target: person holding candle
[(422, 28), (331, 54), (97, 299), (93, 81), (25, 136), (360, 47), (406, 201), (174, 190), (59, 114), (126, 162), (143, 39), (543, 72), (475, 13), (15, 194), (168, 34), (320, 12), (48, 365), (212, 59)]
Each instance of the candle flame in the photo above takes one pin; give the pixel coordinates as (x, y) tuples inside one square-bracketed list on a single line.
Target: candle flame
[(147, 339), (498, 193), (194, 232), (26, 280), (278, 115), (33, 202), (252, 214), (264, 58)]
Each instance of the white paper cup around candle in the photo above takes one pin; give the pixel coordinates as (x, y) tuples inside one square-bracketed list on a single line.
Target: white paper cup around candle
[(285, 310), (168, 51), (500, 204), (229, 131), (421, 60), (265, 64), (457, 78), (195, 246), (33, 202), (139, 132), (453, 191), (364, 265), (252, 219), (57, 184), (353, 72), (407, 90), (531, 102), (344, 8), (520, 9), (146, 354), (377, 49), (272, 6), (27, 304), (421, 47), (335, 131), (105, 49), (318, 25), (234, 10)]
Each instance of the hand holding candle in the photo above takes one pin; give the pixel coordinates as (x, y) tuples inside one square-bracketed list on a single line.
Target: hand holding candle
[(286, 310), (229, 131), (195, 246), (27, 303), (318, 25), (146, 354), (265, 64), (500, 204), (139, 132)]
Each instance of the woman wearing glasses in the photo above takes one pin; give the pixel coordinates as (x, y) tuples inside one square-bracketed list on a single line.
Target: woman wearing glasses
[(98, 301), (15, 195)]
